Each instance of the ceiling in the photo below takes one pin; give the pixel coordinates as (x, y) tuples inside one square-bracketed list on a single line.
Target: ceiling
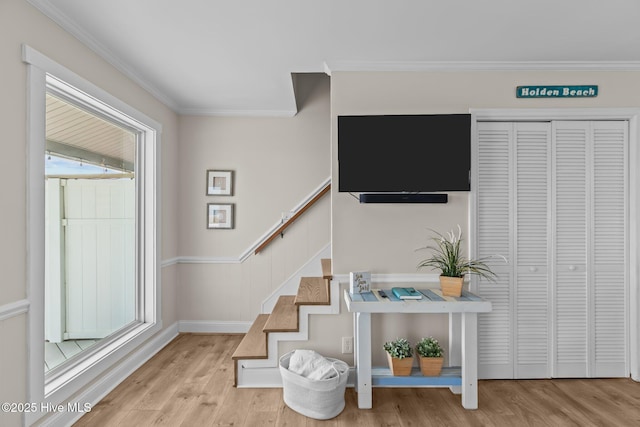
[(216, 57)]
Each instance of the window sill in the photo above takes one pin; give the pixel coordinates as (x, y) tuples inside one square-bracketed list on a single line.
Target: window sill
[(82, 373)]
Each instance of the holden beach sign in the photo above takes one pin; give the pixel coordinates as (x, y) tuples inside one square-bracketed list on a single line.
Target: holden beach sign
[(568, 91)]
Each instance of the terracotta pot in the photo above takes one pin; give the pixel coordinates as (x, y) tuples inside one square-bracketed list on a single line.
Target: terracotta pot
[(431, 366), (400, 367), (451, 286)]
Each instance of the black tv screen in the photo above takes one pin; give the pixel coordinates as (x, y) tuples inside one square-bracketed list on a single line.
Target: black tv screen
[(404, 153)]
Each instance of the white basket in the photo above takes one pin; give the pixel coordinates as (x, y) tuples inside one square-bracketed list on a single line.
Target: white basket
[(319, 399)]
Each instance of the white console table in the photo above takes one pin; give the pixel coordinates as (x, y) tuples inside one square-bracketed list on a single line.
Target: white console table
[(463, 315)]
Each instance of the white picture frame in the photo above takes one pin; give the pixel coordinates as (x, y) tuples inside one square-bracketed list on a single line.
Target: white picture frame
[(220, 215), (219, 183)]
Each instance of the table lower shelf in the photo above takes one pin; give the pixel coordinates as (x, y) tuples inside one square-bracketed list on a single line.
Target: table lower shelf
[(449, 377)]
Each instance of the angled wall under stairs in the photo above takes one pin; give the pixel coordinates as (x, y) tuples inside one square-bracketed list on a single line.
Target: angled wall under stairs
[(256, 357)]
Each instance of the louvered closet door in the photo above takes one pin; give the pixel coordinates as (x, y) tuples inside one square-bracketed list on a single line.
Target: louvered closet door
[(610, 250), (513, 212), (531, 234), (591, 249), (493, 236), (570, 290), (553, 198)]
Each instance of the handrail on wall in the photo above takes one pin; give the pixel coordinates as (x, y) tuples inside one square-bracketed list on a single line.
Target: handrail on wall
[(303, 209)]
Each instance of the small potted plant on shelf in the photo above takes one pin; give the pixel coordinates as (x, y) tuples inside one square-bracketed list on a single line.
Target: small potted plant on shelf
[(447, 257), (400, 356), (430, 354)]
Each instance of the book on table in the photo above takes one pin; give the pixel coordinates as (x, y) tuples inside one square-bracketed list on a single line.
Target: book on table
[(406, 293)]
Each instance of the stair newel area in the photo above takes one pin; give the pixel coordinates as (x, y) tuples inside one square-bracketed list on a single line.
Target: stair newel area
[(285, 318)]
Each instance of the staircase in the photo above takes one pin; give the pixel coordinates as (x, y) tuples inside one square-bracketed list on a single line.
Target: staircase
[(256, 357)]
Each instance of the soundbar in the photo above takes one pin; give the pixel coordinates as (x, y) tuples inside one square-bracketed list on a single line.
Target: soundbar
[(404, 198)]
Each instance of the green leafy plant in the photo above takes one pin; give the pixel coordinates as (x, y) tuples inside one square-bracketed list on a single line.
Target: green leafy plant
[(429, 347), (400, 348), (447, 257)]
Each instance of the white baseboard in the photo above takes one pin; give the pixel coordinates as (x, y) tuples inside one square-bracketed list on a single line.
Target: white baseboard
[(214, 326), (271, 378), (98, 390)]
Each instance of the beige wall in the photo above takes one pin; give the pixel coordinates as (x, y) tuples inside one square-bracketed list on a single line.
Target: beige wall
[(21, 23), (383, 238), (277, 162)]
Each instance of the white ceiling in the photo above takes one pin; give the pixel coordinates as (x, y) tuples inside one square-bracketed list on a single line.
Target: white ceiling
[(236, 57)]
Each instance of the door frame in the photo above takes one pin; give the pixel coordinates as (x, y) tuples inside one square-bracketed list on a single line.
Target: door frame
[(632, 115)]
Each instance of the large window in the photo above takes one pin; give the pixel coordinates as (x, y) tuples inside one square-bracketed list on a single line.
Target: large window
[(91, 290), (92, 236)]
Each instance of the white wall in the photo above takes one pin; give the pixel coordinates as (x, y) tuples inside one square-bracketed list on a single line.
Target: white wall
[(21, 23), (277, 162)]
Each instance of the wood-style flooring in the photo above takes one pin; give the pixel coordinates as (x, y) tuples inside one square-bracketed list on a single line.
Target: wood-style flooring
[(189, 383)]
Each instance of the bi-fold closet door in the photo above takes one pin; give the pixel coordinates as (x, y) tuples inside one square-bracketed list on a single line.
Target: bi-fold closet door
[(552, 198)]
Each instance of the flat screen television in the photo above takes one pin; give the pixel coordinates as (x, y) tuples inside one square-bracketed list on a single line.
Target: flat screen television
[(404, 153)]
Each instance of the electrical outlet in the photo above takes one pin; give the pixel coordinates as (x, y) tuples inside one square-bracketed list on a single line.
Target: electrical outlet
[(347, 345)]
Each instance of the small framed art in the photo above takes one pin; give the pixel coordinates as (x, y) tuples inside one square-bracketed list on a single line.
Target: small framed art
[(220, 216), (219, 183), (359, 281)]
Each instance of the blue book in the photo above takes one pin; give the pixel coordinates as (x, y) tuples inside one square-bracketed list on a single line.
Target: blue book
[(406, 293)]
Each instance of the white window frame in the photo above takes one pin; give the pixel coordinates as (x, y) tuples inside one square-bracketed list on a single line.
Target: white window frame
[(42, 73)]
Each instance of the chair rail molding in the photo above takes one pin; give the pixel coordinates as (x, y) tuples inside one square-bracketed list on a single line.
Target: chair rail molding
[(395, 278), (13, 309), (296, 211)]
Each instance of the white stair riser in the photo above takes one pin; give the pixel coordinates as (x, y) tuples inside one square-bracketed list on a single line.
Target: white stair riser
[(313, 268), (261, 373)]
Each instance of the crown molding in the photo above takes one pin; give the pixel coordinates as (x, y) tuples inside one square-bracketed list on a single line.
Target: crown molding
[(53, 13), (101, 50), (235, 113), (382, 66), (105, 53)]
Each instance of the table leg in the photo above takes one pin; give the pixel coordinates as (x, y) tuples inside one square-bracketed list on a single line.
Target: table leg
[(455, 353), (363, 360), (470, 360)]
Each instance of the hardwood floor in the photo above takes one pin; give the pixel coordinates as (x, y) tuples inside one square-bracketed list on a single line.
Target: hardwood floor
[(189, 383)]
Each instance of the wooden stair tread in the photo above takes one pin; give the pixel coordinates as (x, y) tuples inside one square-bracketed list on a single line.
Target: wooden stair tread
[(254, 343), (313, 291), (284, 317), (326, 268)]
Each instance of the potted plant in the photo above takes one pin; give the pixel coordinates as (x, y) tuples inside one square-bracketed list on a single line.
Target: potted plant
[(447, 257), (430, 354), (400, 356)]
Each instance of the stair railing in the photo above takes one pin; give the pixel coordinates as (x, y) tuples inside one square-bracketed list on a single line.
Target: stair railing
[(279, 231)]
